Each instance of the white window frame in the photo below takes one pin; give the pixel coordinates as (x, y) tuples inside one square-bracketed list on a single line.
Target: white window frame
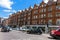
[(49, 14), (58, 7), (57, 14)]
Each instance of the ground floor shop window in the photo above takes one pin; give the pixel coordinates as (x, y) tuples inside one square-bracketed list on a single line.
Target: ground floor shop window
[(50, 22), (58, 22)]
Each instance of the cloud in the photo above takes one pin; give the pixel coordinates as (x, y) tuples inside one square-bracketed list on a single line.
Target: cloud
[(55, 0), (48, 0), (5, 17), (13, 11), (19, 10), (6, 4), (7, 10), (45, 1), (10, 14)]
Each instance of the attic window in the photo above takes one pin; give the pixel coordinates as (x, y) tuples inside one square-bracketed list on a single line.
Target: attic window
[(42, 5)]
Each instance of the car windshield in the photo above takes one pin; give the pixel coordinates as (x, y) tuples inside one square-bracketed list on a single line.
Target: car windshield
[(34, 28), (58, 29)]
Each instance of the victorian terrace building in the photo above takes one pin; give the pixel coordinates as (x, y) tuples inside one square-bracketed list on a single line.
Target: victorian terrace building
[(44, 13)]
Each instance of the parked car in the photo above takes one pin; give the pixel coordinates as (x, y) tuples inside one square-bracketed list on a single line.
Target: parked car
[(55, 33), (35, 30), (0, 29), (16, 28), (23, 29), (5, 29), (10, 28)]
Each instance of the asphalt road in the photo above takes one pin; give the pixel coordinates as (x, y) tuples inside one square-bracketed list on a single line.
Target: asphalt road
[(18, 35)]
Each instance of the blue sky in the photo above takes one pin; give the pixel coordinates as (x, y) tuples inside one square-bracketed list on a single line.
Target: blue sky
[(8, 7)]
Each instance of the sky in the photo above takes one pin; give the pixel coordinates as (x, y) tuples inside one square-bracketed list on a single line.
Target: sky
[(8, 7)]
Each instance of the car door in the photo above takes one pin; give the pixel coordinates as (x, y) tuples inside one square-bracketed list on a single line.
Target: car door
[(57, 32)]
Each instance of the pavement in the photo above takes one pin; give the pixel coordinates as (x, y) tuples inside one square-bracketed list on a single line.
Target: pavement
[(19, 35)]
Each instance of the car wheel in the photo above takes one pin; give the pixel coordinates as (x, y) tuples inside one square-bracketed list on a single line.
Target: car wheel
[(28, 32), (8, 30), (39, 33), (53, 37), (58, 37)]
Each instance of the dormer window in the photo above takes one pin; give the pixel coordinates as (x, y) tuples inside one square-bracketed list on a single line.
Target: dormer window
[(50, 2), (36, 12), (42, 5)]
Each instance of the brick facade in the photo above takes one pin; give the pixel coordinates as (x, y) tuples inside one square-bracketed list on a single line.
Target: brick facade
[(45, 13)]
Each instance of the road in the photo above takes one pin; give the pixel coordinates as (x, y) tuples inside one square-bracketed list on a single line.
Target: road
[(18, 35)]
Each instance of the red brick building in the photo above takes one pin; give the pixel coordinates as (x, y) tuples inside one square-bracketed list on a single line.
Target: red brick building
[(44, 13), (35, 15), (13, 20)]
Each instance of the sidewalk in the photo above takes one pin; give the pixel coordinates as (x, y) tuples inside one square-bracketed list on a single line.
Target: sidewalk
[(46, 35)]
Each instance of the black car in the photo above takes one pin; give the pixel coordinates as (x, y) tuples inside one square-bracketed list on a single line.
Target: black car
[(35, 30), (5, 29)]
